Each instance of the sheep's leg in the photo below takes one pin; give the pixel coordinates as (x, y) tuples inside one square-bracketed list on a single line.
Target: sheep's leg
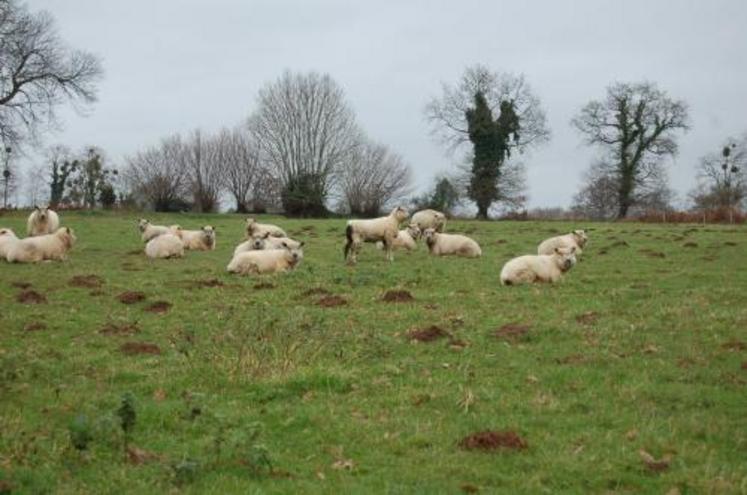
[(388, 242)]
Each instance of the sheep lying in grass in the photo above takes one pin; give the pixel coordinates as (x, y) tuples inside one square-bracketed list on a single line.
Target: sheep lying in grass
[(577, 239), (254, 229), (406, 239), (384, 229), (451, 244), (149, 231), (165, 246), (538, 268), (7, 239), (429, 219), (44, 247), (266, 242), (42, 221), (266, 261), (197, 240)]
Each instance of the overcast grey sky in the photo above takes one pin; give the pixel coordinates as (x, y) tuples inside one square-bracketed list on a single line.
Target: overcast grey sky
[(173, 65)]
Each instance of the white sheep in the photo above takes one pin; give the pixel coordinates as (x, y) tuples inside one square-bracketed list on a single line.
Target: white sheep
[(197, 240), (577, 239), (265, 261), (43, 247), (451, 244), (7, 239), (42, 221), (165, 246), (149, 231), (254, 229), (384, 229), (406, 239), (266, 242), (429, 219), (538, 268)]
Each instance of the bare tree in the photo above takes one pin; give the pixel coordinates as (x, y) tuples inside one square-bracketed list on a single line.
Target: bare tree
[(38, 72), (159, 175), (306, 133), (203, 158), (35, 187), (635, 126), (723, 176), (447, 113), (242, 171), (376, 178), (512, 191)]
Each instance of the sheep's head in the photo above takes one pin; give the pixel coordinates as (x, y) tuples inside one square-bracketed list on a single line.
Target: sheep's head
[(565, 258), (142, 224), (294, 254), (400, 214), (42, 212), (67, 236), (581, 237), (259, 242), (176, 230), (250, 226), (7, 233), (208, 233), (414, 231), (430, 236)]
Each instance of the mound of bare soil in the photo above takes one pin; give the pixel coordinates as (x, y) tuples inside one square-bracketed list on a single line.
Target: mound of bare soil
[(131, 297), (512, 332), (207, 283), (652, 254), (396, 296), (264, 285), (135, 348), (316, 291), (20, 285), (119, 329), (34, 326), (587, 318), (572, 359), (87, 281), (331, 301), (493, 440), (159, 307), (619, 243), (734, 345), (30, 296), (730, 243), (690, 244), (428, 334)]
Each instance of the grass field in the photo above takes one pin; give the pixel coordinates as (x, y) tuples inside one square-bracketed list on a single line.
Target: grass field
[(266, 385)]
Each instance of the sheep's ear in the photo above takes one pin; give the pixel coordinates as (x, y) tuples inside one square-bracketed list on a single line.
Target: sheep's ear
[(573, 249), (302, 244), (67, 230), (285, 245), (267, 236), (557, 251), (36, 207)]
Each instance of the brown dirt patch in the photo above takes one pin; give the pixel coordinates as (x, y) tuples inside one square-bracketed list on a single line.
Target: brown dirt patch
[(602, 251), (159, 307), (134, 252), (587, 318), (619, 243), (87, 281), (493, 440), (131, 297), (734, 345), (690, 245), (264, 285), (501, 241), (135, 348), (317, 291), (652, 254), (119, 329), (20, 285), (397, 296), (207, 283), (571, 359), (655, 465), (331, 301), (744, 365), (512, 332), (730, 243), (428, 334), (34, 326), (30, 296)]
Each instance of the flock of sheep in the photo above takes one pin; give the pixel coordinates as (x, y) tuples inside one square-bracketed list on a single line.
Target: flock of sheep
[(268, 249)]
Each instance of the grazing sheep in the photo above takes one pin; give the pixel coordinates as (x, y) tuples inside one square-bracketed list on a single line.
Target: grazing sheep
[(150, 231), (406, 239), (384, 229), (448, 244), (7, 239), (42, 221), (197, 240), (429, 219), (538, 268), (577, 239), (165, 246), (266, 261), (43, 247), (254, 229), (266, 242)]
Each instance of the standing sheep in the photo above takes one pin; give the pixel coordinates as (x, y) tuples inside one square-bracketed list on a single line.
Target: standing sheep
[(406, 239), (198, 240), (266, 261), (165, 246), (254, 229), (43, 247), (42, 221), (577, 239), (429, 219), (384, 229), (7, 240), (149, 231), (448, 244), (538, 268)]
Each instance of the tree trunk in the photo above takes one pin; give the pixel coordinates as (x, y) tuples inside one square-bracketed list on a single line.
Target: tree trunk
[(482, 211)]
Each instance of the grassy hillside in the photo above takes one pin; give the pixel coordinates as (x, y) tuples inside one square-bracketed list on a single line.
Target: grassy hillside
[(311, 382)]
